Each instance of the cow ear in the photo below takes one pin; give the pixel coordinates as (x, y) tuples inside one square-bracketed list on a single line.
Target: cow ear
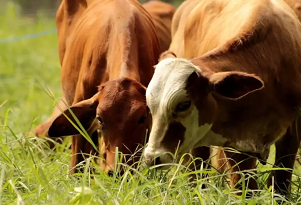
[(235, 85), (167, 54), (85, 112)]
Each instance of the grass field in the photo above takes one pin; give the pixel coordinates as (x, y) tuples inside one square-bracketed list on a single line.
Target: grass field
[(29, 174)]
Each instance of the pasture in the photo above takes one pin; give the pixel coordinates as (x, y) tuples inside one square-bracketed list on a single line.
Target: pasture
[(31, 173)]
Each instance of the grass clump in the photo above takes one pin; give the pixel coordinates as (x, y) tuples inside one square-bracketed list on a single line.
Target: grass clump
[(31, 173)]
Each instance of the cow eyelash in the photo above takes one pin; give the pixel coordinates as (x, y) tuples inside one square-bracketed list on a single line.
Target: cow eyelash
[(99, 119), (183, 106)]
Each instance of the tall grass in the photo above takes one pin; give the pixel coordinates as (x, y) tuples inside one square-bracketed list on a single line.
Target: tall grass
[(30, 173)]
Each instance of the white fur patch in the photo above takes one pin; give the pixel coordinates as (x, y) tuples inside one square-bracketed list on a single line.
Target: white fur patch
[(193, 133), (168, 83), (153, 147), (211, 138)]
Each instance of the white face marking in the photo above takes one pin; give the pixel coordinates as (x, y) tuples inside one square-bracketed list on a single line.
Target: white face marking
[(211, 138), (193, 132), (164, 92), (168, 83)]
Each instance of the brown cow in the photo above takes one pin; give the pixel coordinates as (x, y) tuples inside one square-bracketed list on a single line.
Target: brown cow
[(161, 14), (107, 58), (67, 17), (243, 91)]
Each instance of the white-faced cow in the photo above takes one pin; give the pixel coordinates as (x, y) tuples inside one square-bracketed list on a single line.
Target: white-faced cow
[(242, 91)]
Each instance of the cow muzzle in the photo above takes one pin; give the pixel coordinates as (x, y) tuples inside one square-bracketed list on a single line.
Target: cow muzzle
[(158, 157)]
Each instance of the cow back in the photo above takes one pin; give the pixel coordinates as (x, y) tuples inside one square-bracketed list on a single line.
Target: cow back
[(107, 42), (161, 14)]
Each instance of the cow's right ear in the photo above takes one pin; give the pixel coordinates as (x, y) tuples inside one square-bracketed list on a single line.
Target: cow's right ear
[(235, 85), (85, 112), (167, 54)]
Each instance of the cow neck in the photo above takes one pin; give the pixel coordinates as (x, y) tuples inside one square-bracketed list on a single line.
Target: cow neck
[(123, 54), (124, 69)]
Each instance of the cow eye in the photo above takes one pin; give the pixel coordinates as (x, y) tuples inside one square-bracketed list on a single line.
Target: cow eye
[(183, 106), (142, 120), (99, 119)]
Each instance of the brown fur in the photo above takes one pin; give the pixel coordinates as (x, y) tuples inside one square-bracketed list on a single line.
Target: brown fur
[(110, 44), (161, 14), (255, 37)]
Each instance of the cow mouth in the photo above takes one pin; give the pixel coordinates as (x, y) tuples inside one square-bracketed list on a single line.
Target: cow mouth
[(119, 174), (160, 160), (125, 163)]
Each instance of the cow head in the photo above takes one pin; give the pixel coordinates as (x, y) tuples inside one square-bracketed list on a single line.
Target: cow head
[(118, 112), (183, 103)]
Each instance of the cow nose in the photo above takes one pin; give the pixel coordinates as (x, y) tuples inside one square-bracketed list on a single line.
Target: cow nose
[(110, 173), (157, 157), (153, 161)]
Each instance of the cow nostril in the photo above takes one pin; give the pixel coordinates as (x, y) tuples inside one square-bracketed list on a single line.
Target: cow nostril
[(157, 161), (110, 173)]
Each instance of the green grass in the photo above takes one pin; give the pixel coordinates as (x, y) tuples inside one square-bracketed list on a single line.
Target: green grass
[(30, 174)]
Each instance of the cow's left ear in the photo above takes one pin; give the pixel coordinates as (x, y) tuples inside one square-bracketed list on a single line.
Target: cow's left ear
[(167, 54), (235, 85), (85, 112)]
